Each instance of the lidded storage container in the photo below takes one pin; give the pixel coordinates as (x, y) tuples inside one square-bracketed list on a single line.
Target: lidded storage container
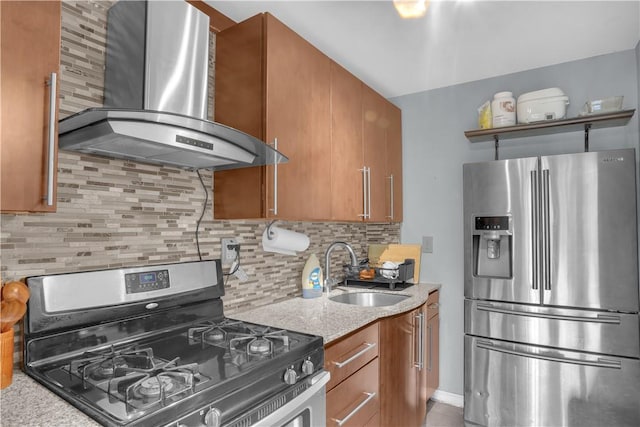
[(503, 108), (541, 105)]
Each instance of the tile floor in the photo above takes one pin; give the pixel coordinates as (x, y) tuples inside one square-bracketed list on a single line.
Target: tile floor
[(442, 415)]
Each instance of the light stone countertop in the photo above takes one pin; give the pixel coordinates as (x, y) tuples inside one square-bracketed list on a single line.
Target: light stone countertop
[(25, 403), (332, 320)]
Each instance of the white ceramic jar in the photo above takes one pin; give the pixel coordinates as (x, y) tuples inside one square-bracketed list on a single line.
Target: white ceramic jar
[(503, 108)]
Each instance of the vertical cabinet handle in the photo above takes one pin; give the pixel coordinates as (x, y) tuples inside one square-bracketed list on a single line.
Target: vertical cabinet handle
[(391, 201), (365, 193), (369, 193), (51, 138), (429, 328), (275, 181), (420, 341)]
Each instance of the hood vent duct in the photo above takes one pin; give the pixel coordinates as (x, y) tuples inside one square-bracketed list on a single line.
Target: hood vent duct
[(155, 103)]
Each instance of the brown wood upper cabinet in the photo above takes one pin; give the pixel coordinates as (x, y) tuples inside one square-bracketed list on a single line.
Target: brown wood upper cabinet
[(273, 84), (343, 140), (30, 54)]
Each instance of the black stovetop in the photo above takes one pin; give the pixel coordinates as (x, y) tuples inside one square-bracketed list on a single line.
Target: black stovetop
[(207, 361)]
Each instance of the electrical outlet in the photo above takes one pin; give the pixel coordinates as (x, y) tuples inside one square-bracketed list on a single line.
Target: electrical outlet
[(427, 244), (229, 254)]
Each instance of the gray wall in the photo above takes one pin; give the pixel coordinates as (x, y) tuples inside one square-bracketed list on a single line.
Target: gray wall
[(435, 149)]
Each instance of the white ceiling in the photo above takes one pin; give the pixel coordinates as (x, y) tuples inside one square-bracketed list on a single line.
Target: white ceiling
[(456, 42)]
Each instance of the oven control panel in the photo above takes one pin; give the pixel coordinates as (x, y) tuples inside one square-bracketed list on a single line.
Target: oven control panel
[(146, 281)]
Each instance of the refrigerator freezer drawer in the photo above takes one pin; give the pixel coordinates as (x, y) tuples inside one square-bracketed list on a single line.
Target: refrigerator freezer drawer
[(582, 330), (509, 384)]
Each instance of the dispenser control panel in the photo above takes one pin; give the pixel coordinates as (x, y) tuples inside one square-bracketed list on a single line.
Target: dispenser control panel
[(492, 223)]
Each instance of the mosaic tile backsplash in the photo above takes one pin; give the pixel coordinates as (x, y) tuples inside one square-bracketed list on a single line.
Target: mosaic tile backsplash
[(114, 213)]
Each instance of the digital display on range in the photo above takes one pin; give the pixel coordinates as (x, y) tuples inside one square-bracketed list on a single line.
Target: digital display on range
[(147, 281), (147, 277)]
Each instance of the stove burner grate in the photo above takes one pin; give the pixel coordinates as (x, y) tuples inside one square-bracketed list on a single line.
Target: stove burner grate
[(214, 333)]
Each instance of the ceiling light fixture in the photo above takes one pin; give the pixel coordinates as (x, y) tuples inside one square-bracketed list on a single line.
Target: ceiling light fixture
[(411, 8)]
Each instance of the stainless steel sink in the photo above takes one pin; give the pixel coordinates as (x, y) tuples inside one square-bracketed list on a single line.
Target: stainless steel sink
[(369, 299)]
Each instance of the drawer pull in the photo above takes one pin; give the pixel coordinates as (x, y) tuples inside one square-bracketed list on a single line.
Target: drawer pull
[(368, 347), (356, 409), (434, 305)]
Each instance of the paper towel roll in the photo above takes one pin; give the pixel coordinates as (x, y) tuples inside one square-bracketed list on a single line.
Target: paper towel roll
[(284, 241)]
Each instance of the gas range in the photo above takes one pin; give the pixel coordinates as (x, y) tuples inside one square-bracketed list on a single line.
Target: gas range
[(168, 356)]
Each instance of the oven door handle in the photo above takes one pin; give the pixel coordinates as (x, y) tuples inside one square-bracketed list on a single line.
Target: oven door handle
[(356, 409)]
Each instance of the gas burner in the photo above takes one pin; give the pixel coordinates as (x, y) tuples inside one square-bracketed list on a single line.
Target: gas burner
[(153, 385), (260, 346), (163, 380), (99, 366), (212, 332), (261, 341)]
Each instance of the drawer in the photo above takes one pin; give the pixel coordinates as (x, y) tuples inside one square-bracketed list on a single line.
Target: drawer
[(433, 304), (355, 401), (351, 353)]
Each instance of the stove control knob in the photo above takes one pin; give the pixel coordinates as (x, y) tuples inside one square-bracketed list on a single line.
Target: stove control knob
[(213, 418), (290, 376), (307, 367)]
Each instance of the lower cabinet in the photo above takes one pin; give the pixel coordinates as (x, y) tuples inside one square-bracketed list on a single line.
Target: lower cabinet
[(355, 401), (408, 364), (384, 373), (353, 397), (400, 374), (432, 340)]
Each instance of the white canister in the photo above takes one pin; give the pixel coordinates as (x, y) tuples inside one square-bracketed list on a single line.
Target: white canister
[(503, 108)]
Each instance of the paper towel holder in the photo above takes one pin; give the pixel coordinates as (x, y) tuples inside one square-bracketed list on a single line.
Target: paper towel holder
[(269, 229)]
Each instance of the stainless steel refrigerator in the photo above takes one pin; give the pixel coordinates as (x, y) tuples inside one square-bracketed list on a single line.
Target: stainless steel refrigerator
[(552, 335)]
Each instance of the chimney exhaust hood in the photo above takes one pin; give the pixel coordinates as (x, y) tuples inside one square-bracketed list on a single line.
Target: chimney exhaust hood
[(156, 95)]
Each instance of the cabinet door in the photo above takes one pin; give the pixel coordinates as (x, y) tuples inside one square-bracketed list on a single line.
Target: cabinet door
[(398, 373), (239, 103), (355, 400), (298, 115), (394, 163), (346, 146), (375, 125), (432, 347), (433, 357), (30, 52)]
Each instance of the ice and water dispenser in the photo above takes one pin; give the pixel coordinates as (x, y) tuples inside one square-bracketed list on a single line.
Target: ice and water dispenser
[(492, 246)]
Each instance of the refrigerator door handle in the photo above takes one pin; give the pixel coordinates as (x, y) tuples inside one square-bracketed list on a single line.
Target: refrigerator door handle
[(546, 231), (600, 318), (534, 230), (599, 363)]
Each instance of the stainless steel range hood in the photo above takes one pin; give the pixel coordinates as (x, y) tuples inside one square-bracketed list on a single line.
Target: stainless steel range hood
[(156, 95)]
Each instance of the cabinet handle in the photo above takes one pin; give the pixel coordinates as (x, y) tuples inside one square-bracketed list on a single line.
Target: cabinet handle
[(51, 137), (429, 328), (275, 181), (356, 409), (368, 193), (420, 341), (391, 204), (434, 305), (365, 194), (368, 347)]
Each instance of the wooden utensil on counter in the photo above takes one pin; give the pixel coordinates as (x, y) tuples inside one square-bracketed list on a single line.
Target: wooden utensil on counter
[(15, 291), (11, 312)]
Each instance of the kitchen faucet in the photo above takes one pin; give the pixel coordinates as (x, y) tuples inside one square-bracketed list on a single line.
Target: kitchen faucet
[(329, 281)]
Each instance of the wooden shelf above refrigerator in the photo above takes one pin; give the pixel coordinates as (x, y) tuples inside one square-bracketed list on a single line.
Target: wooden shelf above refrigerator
[(596, 121), (585, 123)]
